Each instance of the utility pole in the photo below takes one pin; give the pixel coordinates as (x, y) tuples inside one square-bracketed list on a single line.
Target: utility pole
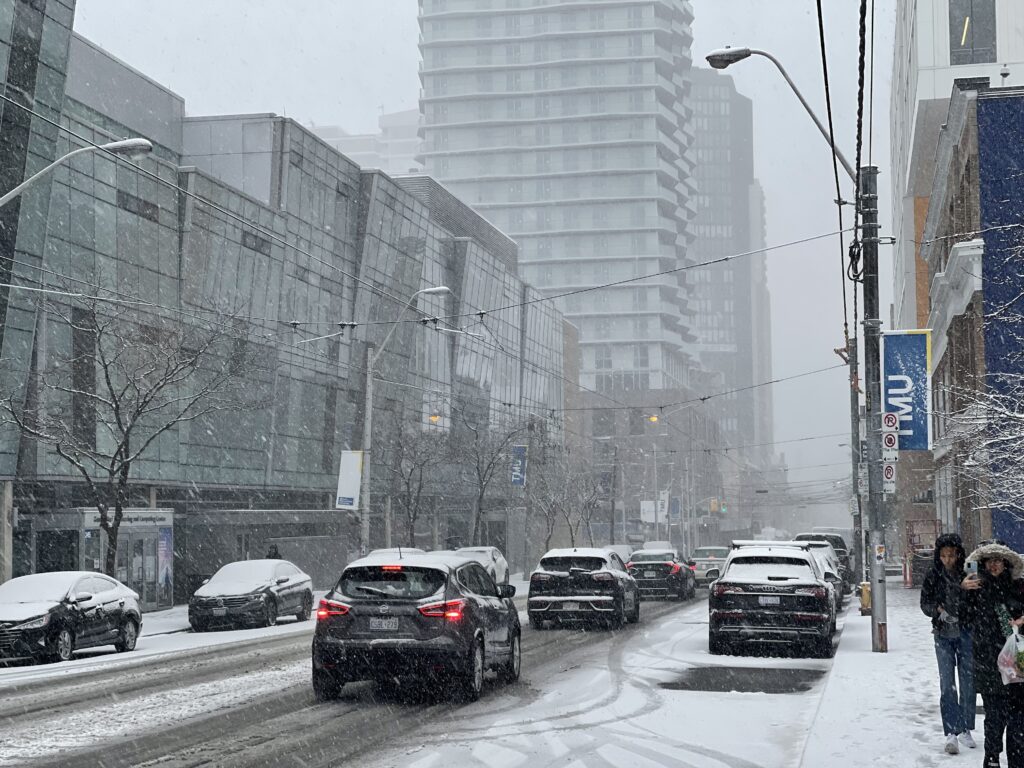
[(855, 454), (872, 336)]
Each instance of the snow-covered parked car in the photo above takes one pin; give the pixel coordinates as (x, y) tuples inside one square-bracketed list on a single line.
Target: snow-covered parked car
[(49, 616), (823, 553), (433, 616), (252, 593), (491, 559), (582, 584), (771, 594)]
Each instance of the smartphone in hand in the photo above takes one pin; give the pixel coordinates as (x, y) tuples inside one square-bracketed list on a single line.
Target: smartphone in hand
[(972, 568)]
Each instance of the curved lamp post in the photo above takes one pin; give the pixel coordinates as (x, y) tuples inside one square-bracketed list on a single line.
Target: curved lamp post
[(724, 57), (126, 147), (371, 363)]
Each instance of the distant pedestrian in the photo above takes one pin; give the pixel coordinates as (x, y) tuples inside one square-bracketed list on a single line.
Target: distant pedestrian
[(272, 553), (993, 602), (942, 599)]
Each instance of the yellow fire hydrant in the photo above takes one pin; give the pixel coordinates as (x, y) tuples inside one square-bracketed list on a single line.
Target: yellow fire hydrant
[(865, 598)]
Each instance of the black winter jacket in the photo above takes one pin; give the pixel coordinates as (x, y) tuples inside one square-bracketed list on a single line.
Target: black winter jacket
[(980, 607), (937, 582)]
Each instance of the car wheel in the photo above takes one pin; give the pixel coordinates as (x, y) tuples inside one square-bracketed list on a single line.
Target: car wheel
[(472, 682), (634, 615), (129, 637), (326, 686), (197, 625), (510, 672), (307, 607), (618, 614), (716, 645), (536, 623), (269, 613), (63, 645), (822, 647)]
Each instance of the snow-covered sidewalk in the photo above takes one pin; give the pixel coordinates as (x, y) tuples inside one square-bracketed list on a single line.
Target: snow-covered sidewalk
[(883, 708)]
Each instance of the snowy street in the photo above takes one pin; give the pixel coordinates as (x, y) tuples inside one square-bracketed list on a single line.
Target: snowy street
[(593, 695)]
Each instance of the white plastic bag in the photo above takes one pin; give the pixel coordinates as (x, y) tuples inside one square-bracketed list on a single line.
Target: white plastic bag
[(1010, 669)]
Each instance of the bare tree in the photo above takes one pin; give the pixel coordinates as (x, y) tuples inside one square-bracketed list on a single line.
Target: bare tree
[(114, 381), (549, 494), (417, 458)]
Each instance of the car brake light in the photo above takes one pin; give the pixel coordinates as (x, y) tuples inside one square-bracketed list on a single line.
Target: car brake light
[(723, 589), (676, 568), (629, 565), (603, 576), (391, 567), (330, 608), (818, 592), (540, 577), (449, 609)]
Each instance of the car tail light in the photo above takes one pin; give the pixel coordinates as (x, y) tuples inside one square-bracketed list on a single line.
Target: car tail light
[(724, 589), (693, 567), (602, 576), (449, 609), (329, 608), (676, 568), (818, 592), (540, 577), (629, 565), (391, 567)]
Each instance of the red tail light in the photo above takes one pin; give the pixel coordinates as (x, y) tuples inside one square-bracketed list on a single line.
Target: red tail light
[(602, 576), (676, 568), (818, 592), (449, 609), (540, 577), (329, 608), (724, 589), (391, 567), (629, 565), (693, 567)]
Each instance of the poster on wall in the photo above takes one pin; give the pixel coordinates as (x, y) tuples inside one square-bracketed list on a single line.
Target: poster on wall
[(165, 566)]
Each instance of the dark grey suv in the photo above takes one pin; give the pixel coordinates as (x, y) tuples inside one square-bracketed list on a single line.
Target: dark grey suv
[(419, 616)]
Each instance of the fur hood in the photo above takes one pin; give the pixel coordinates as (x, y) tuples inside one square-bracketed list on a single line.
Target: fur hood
[(990, 551)]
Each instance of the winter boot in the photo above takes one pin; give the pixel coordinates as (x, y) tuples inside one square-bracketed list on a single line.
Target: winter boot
[(952, 747), (967, 740)]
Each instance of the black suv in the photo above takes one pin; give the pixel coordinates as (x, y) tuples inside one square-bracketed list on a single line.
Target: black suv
[(422, 616), (582, 584), (660, 573)]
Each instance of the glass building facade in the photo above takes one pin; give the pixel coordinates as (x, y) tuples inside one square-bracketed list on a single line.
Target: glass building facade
[(252, 225), (567, 127)]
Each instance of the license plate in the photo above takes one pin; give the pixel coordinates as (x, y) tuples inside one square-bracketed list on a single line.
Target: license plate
[(385, 624), (768, 599), (650, 575), (570, 606), (220, 611)]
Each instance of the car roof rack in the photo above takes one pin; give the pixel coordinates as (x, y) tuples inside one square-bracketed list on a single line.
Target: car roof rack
[(741, 543)]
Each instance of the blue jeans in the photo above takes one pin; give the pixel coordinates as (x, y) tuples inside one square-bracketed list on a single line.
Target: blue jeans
[(954, 657)]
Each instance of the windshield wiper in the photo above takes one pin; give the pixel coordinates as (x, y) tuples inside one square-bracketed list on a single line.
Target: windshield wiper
[(373, 591)]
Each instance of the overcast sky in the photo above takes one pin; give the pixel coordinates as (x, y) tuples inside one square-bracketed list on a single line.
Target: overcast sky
[(344, 61)]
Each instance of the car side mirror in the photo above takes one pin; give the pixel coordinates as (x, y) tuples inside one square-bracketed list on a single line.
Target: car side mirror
[(831, 577), (281, 580), (506, 590), (83, 597)]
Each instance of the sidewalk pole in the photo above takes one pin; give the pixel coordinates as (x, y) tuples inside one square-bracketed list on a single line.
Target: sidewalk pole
[(872, 337)]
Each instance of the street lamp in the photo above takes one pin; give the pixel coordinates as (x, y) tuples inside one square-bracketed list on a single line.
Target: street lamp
[(126, 147), (371, 363), (724, 57)]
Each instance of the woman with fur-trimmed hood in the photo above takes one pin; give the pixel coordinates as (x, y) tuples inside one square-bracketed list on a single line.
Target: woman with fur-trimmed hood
[(993, 602)]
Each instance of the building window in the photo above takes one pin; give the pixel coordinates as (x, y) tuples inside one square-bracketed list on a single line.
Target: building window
[(256, 243), (138, 206), (604, 423), (603, 358), (972, 32)]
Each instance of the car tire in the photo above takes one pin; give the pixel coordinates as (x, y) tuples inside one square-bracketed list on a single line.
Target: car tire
[(634, 616), (326, 687), (269, 612), (307, 607), (716, 645), (197, 626), (471, 683), (618, 616), (536, 623), (63, 645), (129, 636), (822, 648), (510, 671)]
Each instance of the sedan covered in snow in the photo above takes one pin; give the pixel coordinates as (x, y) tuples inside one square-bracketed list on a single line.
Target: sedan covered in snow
[(49, 616), (251, 593), (771, 595), (491, 559), (429, 617), (582, 584)]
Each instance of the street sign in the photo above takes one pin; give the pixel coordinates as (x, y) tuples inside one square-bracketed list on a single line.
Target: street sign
[(890, 447), (862, 478), (888, 478), (890, 422)]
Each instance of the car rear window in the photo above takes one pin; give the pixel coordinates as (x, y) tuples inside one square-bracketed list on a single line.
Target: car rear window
[(651, 557), (710, 552), (391, 582), (568, 563), (768, 567)]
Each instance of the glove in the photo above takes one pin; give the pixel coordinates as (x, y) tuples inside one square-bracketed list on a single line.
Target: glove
[(949, 618)]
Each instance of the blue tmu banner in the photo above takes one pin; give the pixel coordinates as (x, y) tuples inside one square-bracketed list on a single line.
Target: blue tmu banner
[(519, 465), (906, 385)]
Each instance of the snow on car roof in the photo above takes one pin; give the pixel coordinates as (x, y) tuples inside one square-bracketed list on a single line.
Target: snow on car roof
[(791, 553), (52, 585), (653, 552), (577, 552), (438, 560)]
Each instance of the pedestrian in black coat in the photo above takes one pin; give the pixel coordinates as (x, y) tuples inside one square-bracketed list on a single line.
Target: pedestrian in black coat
[(942, 600), (993, 600)]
